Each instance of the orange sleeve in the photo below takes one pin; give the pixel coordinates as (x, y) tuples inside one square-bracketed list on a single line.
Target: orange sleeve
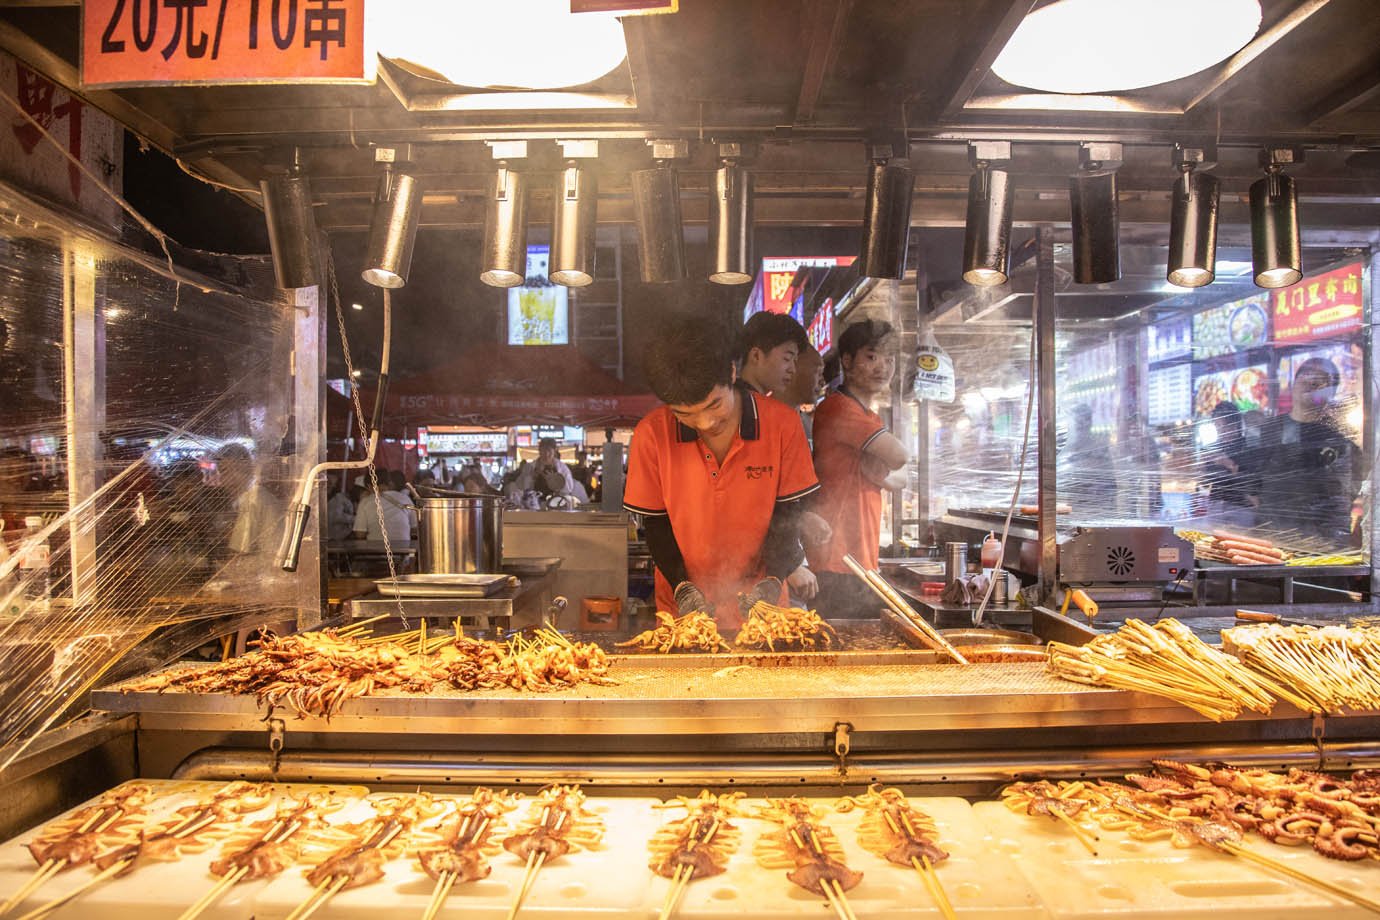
[(797, 469), (643, 493)]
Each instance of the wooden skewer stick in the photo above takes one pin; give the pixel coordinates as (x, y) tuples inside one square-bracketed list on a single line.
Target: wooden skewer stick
[(839, 910), (339, 882), (843, 900), (41, 875), (534, 861), (1277, 866), (224, 884), (931, 877), (112, 870), (444, 882), (311, 899), (1084, 836), (677, 889)]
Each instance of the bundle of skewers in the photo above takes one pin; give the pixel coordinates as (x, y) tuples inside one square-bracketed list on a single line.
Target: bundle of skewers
[(809, 848), (1326, 669), (314, 673), (557, 823), (697, 846), (901, 834), (1167, 659), (693, 632), (771, 627), (1234, 548), (1215, 805), (457, 848)]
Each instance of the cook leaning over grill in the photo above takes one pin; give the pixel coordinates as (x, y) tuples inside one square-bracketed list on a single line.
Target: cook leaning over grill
[(717, 475)]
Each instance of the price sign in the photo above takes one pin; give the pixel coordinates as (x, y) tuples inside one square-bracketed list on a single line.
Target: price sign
[(1319, 307), (155, 42)]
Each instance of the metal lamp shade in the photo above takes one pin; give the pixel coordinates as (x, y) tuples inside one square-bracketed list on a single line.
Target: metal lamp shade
[(987, 233), (660, 236), (291, 229), (505, 231), (1096, 224), (730, 226), (1193, 230), (886, 220), (573, 227), (1275, 232), (398, 207)]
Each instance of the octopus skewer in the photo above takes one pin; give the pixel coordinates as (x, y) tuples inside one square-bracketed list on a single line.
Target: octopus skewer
[(77, 838), (901, 834), (812, 849), (562, 826), (697, 846)]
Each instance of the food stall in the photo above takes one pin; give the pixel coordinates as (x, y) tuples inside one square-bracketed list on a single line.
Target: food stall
[(397, 744)]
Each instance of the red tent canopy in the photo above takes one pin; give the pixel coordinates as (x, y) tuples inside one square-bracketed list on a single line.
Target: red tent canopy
[(511, 385)]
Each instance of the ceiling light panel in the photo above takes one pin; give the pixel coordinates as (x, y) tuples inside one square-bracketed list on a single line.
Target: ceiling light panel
[(1103, 46)]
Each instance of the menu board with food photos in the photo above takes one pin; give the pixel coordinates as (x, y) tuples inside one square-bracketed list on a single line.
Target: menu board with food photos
[(1248, 388), (1232, 327), (1169, 394), (1169, 339)]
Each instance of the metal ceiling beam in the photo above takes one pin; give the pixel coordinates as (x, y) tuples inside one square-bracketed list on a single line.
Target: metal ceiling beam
[(826, 20), (1360, 90), (1224, 72), (645, 89), (981, 61)]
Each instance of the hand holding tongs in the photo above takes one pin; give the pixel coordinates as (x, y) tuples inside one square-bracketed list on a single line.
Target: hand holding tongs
[(888, 594)]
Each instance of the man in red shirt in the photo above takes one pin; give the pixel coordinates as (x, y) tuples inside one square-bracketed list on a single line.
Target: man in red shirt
[(856, 457), (716, 474)]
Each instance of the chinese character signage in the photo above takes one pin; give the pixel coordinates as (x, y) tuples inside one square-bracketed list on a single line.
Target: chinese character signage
[(778, 273), (143, 42), (1319, 307), (538, 311), (820, 332)]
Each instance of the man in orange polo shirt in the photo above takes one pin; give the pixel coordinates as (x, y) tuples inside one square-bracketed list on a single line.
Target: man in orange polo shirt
[(856, 458), (717, 475)]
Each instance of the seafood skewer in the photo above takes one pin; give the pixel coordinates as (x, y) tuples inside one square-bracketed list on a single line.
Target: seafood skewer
[(371, 844), (459, 851), (77, 838), (1058, 802), (900, 833), (811, 848), (196, 827), (697, 846), (562, 825)]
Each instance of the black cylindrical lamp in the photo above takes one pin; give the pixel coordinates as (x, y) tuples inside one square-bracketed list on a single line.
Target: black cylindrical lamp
[(730, 225), (1096, 224), (1275, 230), (393, 230), (1193, 229), (987, 232), (291, 229), (505, 230), (660, 236), (886, 219), (573, 226)]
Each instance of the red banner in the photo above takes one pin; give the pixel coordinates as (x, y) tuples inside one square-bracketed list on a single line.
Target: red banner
[(150, 42), (1319, 307)]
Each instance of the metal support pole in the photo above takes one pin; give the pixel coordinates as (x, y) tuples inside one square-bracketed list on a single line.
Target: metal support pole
[(83, 333), (1368, 400), (1043, 318), (309, 433)]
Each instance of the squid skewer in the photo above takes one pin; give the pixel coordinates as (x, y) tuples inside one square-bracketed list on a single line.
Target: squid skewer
[(812, 849), (901, 834), (697, 846), (460, 849), (563, 826), (1059, 803)]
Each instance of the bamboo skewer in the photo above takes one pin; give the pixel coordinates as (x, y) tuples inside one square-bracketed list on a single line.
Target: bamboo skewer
[(50, 868), (673, 894), (328, 889), (534, 862), (444, 882), (1276, 866), (224, 884), (110, 871), (931, 879)]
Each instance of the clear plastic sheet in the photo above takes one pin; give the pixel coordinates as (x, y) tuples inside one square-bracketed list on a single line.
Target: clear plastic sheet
[(146, 431)]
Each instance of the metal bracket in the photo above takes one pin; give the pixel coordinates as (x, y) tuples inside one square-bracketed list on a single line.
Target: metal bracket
[(842, 744), (1319, 730), (276, 735), (673, 148)]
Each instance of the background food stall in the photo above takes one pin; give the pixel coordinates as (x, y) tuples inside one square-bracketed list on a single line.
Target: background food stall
[(767, 722)]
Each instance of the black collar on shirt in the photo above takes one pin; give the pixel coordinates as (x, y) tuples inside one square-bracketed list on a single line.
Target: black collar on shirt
[(748, 427)]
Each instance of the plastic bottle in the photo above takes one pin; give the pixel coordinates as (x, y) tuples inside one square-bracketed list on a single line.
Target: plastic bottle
[(33, 565), (991, 551)]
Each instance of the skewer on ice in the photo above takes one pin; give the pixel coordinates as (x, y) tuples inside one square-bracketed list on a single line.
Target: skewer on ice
[(696, 846), (902, 834), (557, 824), (458, 849), (810, 849)]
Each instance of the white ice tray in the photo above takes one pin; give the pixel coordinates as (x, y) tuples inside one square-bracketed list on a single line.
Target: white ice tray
[(1131, 879)]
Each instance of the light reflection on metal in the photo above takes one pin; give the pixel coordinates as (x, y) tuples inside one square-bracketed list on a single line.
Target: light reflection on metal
[(660, 235), (886, 219), (291, 228), (393, 230), (573, 222), (505, 230), (730, 225)]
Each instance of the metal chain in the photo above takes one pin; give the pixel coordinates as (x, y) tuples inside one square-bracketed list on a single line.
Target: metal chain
[(363, 429)]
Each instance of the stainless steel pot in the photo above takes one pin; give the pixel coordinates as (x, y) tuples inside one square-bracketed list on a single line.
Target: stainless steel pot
[(460, 535)]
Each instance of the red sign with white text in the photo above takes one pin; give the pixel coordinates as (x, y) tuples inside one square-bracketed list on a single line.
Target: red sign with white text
[(820, 332), (778, 273), (151, 42), (1319, 307)]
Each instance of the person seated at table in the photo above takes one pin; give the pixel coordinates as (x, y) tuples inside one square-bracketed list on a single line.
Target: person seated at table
[(396, 518)]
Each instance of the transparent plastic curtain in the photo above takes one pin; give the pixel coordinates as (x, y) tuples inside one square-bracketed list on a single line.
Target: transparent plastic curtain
[(146, 447)]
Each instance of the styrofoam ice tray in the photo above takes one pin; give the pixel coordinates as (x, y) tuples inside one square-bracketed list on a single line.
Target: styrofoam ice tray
[(979, 883), (1134, 879), (151, 889), (608, 881)]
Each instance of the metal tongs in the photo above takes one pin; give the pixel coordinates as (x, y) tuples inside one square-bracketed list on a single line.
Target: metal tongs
[(892, 598)]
